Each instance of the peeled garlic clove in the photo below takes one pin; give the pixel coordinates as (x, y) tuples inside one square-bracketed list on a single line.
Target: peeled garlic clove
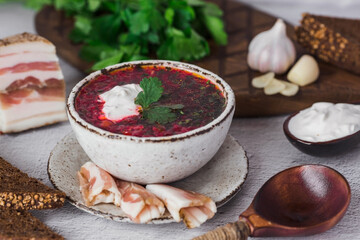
[(263, 80), (290, 89), (274, 87), (272, 50), (305, 71)]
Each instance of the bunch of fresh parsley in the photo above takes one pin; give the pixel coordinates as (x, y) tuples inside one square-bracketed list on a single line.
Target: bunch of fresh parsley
[(148, 98), (125, 30)]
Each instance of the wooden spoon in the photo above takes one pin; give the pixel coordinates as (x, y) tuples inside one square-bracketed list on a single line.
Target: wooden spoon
[(298, 201)]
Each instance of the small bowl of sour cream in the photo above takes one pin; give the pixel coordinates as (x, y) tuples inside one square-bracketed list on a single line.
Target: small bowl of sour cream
[(324, 129)]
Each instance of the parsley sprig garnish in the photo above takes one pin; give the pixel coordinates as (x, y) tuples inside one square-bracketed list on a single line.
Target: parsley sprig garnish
[(127, 30), (148, 98)]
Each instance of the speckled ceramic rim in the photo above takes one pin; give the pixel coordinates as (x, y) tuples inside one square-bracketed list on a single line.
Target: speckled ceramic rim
[(226, 89), (236, 190), (288, 133)]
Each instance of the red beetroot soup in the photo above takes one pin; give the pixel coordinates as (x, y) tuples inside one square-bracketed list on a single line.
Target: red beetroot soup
[(202, 101)]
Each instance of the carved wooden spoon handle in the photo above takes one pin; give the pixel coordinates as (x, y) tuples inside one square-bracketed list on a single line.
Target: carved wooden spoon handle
[(231, 231)]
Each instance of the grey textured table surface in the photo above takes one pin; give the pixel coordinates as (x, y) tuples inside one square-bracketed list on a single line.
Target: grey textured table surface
[(268, 150)]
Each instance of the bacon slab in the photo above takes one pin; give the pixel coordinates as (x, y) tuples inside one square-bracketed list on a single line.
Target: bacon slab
[(193, 208), (139, 204), (97, 186), (32, 87)]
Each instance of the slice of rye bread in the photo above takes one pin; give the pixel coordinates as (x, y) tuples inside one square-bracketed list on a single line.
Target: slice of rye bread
[(334, 40), (19, 191), (22, 225)]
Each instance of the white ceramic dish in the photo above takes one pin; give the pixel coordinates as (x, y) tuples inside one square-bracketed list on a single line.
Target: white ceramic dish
[(153, 159), (220, 179)]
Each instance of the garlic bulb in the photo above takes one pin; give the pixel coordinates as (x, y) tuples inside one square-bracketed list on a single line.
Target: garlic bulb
[(272, 50)]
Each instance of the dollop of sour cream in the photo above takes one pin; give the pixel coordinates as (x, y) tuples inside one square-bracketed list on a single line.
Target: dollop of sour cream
[(325, 121), (120, 102)]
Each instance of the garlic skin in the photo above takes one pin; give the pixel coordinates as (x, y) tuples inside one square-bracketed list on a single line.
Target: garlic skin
[(272, 50)]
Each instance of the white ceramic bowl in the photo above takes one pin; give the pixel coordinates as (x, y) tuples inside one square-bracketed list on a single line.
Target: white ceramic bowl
[(153, 159)]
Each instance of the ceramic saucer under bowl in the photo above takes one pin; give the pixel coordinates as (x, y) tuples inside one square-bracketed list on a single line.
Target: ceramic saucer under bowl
[(220, 179)]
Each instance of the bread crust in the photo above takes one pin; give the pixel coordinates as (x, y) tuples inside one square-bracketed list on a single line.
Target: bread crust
[(329, 39)]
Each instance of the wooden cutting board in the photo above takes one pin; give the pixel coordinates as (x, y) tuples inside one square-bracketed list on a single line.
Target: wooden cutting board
[(229, 62)]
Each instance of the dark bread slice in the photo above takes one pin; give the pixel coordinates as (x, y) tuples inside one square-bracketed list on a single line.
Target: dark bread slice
[(345, 26), (22, 225), (334, 40), (19, 191)]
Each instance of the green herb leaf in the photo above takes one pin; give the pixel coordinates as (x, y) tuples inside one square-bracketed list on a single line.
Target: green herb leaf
[(216, 29), (212, 10), (211, 15), (196, 2), (71, 7), (160, 115), (140, 29), (169, 15), (181, 47), (137, 57), (77, 36), (107, 62), (151, 93), (37, 4), (112, 6), (83, 24), (153, 37), (106, 28), (93, 50), (94, 5), (139, 23)]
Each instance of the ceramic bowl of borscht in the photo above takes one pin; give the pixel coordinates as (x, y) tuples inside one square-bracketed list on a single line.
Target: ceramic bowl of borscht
[(151, 121)]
